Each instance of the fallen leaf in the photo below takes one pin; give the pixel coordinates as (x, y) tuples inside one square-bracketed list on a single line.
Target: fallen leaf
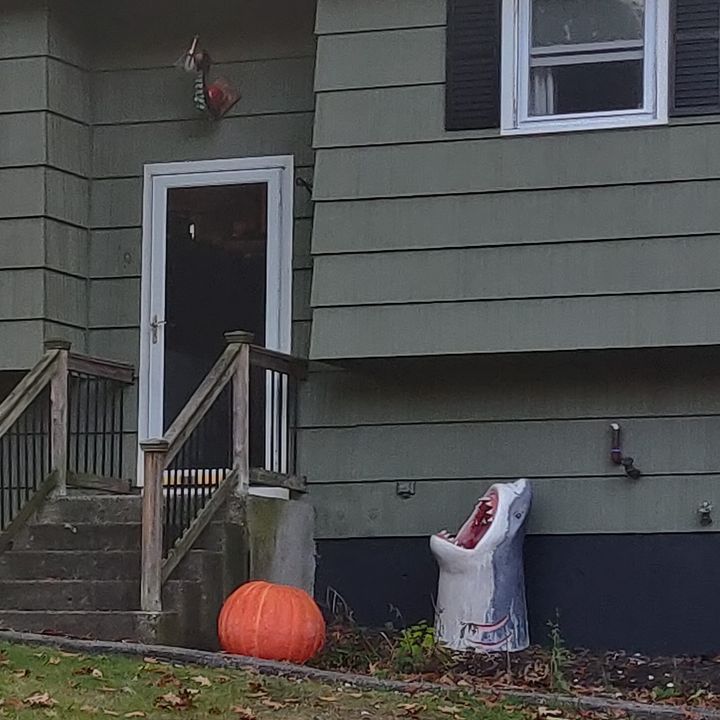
[(171, 701), (546, 712), (355, 695), (111, 713), (21, 673), (244, 713), (96, 673), (151, 660), (69, 654), (449, 709), (273, 705), (14, 703), (201, 680), (40, 700), (107, 689), (256, 694), (136, 714), (328, 698), (90, 709), (54, 661)]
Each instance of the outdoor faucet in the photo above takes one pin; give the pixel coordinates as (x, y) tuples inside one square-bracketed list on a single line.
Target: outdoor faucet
[(617, 456)]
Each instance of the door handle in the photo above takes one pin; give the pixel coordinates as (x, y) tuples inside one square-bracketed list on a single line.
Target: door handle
[(155, 325)]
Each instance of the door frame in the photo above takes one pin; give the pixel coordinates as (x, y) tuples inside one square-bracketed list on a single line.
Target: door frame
[(278, 173)]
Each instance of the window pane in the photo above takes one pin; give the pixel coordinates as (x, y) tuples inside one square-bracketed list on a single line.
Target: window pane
[(571, 22), (586, 88)]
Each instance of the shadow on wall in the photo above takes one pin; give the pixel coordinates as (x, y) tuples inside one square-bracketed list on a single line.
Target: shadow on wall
[(640, 593), (8, 380)]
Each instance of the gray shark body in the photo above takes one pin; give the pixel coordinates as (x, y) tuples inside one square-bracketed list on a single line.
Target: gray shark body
[(481, 602)]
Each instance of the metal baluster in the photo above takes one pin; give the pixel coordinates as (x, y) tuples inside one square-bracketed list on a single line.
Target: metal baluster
[(3, 482), (121, 430)]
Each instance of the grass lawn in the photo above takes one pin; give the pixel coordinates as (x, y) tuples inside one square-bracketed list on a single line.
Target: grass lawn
[(41, 682)]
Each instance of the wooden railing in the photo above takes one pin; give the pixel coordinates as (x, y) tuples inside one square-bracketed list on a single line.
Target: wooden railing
[(237, 429), (37, 456)]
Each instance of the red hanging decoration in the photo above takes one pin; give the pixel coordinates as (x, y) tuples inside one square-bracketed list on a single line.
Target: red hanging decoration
[(215, 98)]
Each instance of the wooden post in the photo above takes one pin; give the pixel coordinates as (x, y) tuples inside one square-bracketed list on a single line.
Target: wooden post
[(154, 453), (59, 415), (241, 411)]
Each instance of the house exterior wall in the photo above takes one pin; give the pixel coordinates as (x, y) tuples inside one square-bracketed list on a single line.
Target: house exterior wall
[(571, 277), (142, 113), (572, 240), (42, 239), (91, 95)]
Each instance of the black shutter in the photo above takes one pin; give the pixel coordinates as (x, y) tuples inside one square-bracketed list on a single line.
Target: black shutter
[(472, 94), (696, 57)]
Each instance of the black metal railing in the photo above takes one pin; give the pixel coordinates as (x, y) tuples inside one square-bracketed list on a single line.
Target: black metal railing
[(202, 463), (96, 414), (25, 460)]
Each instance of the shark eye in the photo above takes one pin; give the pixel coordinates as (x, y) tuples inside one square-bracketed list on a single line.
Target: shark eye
[(518, 515)]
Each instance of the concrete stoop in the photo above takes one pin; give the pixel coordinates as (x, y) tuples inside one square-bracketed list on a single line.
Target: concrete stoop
[(75, 569)]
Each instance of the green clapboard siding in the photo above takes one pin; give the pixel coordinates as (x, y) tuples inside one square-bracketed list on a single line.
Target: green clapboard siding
[(389, 177), (142, 112), (490, 304), (456, 426), (338, 16), (560, 506), (44, 196)]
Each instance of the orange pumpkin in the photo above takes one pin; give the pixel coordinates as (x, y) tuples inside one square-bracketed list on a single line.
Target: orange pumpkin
[(272, 622)]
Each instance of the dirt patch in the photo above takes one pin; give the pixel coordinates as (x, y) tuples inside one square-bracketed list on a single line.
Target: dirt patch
[(693, 681)]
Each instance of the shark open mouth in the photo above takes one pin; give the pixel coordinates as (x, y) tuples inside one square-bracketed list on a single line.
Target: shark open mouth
[(477, 525)]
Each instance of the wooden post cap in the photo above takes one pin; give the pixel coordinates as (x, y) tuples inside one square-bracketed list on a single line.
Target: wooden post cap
[(239, 337), (57, 344), (155, 445)]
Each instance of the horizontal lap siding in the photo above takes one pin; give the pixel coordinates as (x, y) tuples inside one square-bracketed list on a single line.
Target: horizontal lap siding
[(454, 427), (142, 112), (43, 159), (428, 243), (390, 178)]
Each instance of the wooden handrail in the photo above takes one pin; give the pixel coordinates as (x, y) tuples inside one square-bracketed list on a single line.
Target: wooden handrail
[(279, 362), (233, 367), (52, 372), (201, 401), (25, 392), (98, 367)]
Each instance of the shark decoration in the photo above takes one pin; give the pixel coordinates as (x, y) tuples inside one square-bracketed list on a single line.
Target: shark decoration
[(481, 602), (214, 98)]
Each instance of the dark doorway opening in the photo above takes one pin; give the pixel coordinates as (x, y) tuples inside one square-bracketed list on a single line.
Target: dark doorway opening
[(216, 268)]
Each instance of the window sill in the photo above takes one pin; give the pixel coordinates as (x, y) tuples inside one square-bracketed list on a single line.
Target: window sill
[(546, 127)]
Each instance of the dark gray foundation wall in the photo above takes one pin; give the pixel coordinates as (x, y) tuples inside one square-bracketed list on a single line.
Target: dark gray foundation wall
[(640, 593)]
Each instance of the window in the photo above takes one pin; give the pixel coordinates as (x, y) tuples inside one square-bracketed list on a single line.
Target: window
[(582, 64), (579, 64)]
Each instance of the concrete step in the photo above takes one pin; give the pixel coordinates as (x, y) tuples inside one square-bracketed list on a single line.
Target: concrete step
[(103, 595), (95, 565), (92, 509), (116, 626), (79, 536), (108, 536), (69, 595)]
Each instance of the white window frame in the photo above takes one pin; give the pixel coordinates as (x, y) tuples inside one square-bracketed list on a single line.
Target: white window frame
[(515, 77)]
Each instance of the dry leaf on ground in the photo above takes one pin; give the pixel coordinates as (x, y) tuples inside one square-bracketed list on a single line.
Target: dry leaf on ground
[(243, 713), (40, 700)]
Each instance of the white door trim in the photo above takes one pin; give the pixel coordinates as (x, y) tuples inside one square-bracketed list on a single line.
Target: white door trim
[(278, 173)]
